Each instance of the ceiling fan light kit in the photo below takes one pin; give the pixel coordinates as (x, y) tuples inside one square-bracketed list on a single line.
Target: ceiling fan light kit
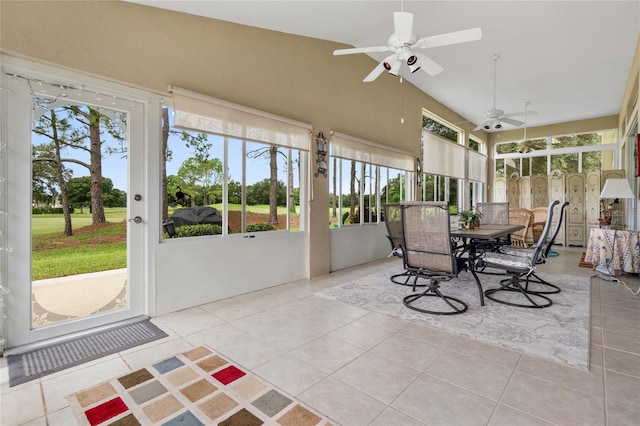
[(403, 41)]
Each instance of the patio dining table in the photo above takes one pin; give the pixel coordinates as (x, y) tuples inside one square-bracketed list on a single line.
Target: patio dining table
[(484, 235)]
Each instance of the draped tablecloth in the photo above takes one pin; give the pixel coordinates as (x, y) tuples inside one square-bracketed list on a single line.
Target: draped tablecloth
[(622, 247)]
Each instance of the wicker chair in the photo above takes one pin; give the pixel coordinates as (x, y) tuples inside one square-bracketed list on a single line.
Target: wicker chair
[(520, 268), (428, 253), (539, 219), (524, 217)]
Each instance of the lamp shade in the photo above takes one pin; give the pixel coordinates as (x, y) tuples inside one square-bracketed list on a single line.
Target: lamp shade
[(617, 188)]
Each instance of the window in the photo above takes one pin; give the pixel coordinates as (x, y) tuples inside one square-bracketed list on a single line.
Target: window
[(440, 128), (579, 153), (448, 164), (362, 177), (476, 145), (230, 169)]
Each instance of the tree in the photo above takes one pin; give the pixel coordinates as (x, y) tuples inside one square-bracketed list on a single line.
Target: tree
[(163, 164), (352, 188), (260, 193), (84, 127), (198, 174), (79, 190), (56, 131), (334, 203), (234, 192), (439, 129), (93, 122), (196, 141), (272, 151), (45, 184)]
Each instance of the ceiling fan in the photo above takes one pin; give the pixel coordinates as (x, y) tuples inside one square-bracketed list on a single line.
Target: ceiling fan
[(494, 118), (403, 42)]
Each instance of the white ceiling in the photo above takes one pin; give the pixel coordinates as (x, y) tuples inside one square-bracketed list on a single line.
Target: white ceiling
[(569, 59)]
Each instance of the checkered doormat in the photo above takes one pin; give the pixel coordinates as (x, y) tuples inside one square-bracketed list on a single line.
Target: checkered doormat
[(197, 387)]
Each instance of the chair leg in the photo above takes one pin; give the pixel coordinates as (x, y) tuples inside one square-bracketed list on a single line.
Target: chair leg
[(553, 288), (473, 272), (403, 279), (513, 285), (433, 291)]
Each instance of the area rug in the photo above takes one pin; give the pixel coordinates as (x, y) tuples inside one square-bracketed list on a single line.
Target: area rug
[(559, 332), (197, 387), (68, 353)]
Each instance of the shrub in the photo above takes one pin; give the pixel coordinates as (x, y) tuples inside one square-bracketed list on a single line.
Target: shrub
[(197, 230), (49, 210), (258, 227)]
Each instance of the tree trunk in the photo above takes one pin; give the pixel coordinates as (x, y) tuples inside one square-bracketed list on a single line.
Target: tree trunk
[(66, 211), (292, 199), (352, 187), (95, 169), (273, 185), (335, 187), (163, 163)]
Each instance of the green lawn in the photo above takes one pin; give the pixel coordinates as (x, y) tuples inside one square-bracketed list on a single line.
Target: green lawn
[(78, 260), (42, 224)]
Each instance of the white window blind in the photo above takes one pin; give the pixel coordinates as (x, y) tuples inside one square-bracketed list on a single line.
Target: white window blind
[(442, 157), (477, 167), (194, 111), (352, 148)]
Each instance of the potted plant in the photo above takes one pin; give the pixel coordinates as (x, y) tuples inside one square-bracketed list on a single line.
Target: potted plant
[(471, 218)]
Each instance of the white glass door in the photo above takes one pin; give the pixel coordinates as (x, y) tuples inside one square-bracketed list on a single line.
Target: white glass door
[(76, 206)]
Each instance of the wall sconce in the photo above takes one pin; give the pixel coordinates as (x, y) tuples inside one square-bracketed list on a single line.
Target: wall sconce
[(418, 172), (321, 161)]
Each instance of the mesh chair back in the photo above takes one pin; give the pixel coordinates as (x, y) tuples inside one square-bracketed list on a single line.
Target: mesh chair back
[(552, 240), (539, 246), (393, 222), (426, 237), (494, 213)]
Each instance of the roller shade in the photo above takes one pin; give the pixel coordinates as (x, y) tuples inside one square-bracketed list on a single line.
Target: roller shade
[(477, 167), (352, 148), (194, 111), (442, 157)]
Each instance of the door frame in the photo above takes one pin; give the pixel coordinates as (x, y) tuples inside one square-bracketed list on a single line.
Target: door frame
[(16, 120)]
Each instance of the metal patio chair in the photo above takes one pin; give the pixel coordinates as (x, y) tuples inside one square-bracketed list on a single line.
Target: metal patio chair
[(428, 253), (520, 268)]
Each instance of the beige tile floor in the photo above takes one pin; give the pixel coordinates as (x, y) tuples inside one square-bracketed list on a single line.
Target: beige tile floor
[(364, 368)]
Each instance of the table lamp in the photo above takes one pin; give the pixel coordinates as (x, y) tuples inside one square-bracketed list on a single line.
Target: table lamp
[(616, 189)]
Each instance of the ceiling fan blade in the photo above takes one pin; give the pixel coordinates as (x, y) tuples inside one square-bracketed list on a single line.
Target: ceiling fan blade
[(449, 38), (403, 24), (375, 73), (511, 121), (361, 50), (520, 114), (428, 65)]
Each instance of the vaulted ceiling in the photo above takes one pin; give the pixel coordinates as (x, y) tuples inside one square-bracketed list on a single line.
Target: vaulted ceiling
[(569, 59)]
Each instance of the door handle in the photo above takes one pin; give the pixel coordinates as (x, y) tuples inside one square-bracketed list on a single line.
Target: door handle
[(136, 219)]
